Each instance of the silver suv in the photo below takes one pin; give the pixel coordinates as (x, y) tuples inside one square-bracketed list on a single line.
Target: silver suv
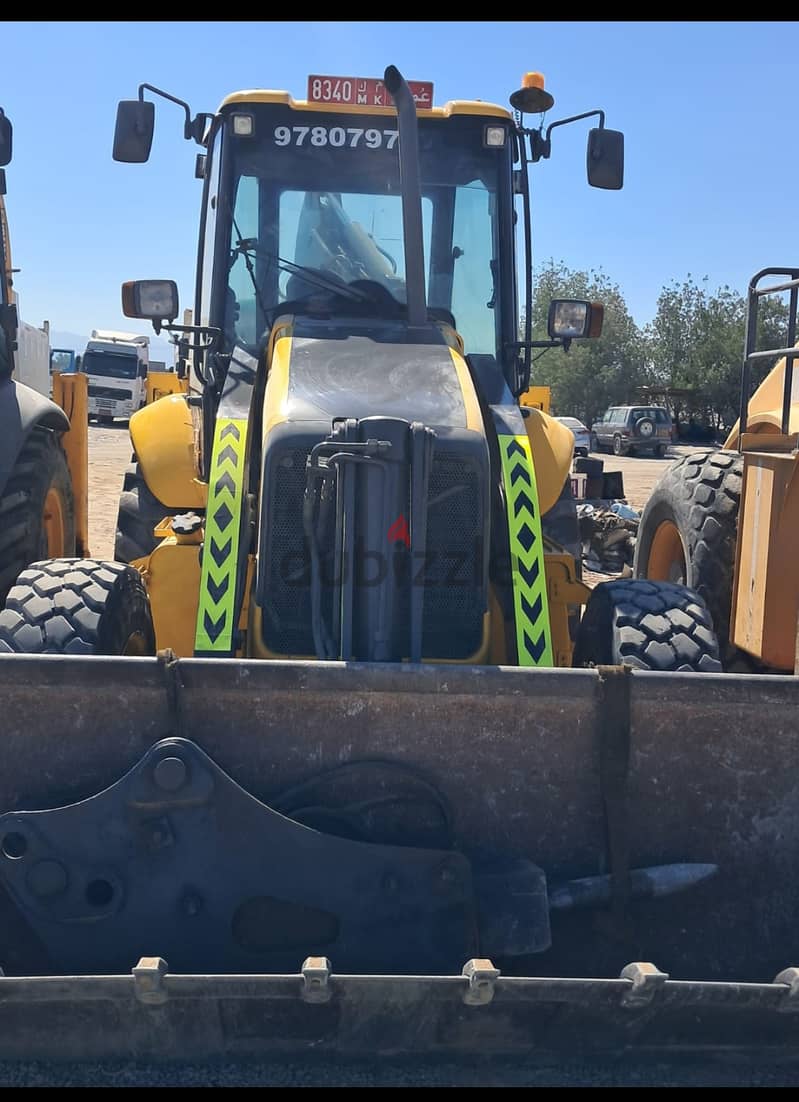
[(625, 430)]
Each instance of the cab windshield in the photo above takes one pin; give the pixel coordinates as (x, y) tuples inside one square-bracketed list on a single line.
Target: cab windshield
[(111, 365), (316, 221)]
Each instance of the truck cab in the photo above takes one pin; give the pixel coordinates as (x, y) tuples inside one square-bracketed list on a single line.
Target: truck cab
[(116, 365)]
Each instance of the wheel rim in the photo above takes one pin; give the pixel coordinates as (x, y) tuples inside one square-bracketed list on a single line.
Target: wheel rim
[(617, 445), (667, 555), (136, 645), (53, 524)]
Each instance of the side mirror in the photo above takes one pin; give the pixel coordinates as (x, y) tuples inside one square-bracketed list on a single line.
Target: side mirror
[(5, 139), (142, 371), (152, 299), (571, 318), (133, 134), (605, 159)]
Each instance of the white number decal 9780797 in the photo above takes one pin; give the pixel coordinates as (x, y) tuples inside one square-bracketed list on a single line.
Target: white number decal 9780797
[(338, 137)]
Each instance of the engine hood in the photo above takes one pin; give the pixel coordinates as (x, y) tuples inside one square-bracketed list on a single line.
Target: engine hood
[(327, 369)]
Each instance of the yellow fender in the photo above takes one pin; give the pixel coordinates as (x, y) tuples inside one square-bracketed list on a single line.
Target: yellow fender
[(162, 435), (552, 445)]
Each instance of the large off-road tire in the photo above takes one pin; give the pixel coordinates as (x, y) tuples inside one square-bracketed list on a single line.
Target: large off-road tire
[(647, 625), (37, 509), (77, 606), (139, 512), (688, 533)]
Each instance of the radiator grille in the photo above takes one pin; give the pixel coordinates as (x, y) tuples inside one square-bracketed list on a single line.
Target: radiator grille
[(453, 573)]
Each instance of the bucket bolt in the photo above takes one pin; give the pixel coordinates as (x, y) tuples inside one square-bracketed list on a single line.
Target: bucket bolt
[(482, 977)]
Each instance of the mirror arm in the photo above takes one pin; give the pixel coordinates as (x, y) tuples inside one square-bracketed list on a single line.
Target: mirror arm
[(211, 331), (556, 342), (541, 141), (193, 128)]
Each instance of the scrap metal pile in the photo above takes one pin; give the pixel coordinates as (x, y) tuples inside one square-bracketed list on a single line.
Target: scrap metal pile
[(608, 531)]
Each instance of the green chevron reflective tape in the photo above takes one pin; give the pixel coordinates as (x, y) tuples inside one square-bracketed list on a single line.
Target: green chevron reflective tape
[(533, 635), (217, 607)]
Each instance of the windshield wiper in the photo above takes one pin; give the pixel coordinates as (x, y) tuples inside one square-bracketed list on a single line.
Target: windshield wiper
[(312, 275)]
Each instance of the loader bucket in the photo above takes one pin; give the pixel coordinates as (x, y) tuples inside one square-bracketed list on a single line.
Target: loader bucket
[(146, 854)]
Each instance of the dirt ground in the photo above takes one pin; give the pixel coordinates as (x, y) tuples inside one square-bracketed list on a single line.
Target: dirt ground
[(110, 452)]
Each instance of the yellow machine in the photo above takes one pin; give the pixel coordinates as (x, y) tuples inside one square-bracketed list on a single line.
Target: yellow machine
[(539, 397), (382, 789), (726, 523), (43, 443)]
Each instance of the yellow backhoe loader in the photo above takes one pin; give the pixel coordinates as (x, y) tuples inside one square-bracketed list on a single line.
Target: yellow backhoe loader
[(43, 442), (382, 789), (726, 522)]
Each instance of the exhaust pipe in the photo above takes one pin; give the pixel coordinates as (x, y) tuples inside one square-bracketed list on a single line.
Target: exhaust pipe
[(411, 194)]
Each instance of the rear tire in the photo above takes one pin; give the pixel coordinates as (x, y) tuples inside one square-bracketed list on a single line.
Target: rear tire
[(618, 447), (37, 509), (139, 512), (647, 625), (77, 606), (688, 533)]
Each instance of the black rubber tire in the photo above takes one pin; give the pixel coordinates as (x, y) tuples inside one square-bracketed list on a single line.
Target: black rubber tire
[(618, 446), (700, 494), (40, 466), (647, 625), (139, 512), (660, 450), (77, 606)]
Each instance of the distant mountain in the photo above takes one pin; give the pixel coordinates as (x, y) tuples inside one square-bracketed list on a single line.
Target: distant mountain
[(159, 348)]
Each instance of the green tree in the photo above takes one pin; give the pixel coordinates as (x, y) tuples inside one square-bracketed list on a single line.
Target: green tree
[(594, 373), (695, 343)]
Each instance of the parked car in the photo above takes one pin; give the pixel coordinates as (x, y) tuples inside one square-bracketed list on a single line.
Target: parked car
[(625, 430), (582, 437)]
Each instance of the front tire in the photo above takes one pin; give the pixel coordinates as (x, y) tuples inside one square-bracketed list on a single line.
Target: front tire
[(688, 534), (77, 606), (649, 626), (37, 509)]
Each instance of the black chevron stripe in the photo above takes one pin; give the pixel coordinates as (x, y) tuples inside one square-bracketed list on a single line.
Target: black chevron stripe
[(228, 455), (529, 573), (532, 611), (223, 517), (526, 536), (219, 554), (523, 502), (218, 589), (214, 628), (520, 471), (230, 430), (515, 448), (225, 482), (535, 649)]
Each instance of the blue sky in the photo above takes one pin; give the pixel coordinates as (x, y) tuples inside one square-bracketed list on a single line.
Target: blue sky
[(707, 109)]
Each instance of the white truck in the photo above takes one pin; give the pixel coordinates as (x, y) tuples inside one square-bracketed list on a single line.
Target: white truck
[(116, 366)]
